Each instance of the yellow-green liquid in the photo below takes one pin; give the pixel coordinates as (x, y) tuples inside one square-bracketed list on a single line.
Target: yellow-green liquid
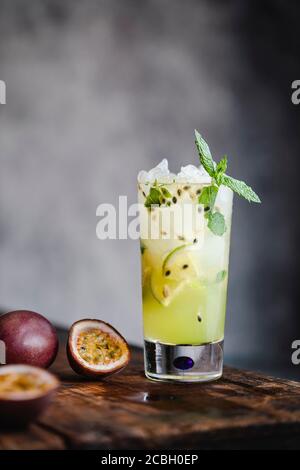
[(195, 316)]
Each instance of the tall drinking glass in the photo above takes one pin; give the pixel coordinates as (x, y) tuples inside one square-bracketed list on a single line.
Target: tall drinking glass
[(184, 282)]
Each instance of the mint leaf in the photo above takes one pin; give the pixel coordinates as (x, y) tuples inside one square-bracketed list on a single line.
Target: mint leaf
[(208, 196), (153, 197), (240, 188), (216, 223), (157, 195), (220, 169), (206, 159), (221, 275)]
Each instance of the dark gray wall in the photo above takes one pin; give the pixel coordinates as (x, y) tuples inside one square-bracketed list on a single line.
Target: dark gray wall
[(97, 90)]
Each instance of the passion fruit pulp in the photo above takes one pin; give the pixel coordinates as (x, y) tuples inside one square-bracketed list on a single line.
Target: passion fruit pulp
[(25, 392), (29, 338), (95, 349)]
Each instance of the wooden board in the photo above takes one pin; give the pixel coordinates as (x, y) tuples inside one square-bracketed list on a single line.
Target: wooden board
[(127, 411)]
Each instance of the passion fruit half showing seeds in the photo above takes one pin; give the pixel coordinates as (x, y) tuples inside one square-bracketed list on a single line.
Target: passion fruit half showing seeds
[(95, 349), (25, 392)]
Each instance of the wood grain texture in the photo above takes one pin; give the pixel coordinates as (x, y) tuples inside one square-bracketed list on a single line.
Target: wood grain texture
[(127, 411)]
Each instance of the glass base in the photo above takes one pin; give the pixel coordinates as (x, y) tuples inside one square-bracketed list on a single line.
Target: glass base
[(183, 363)]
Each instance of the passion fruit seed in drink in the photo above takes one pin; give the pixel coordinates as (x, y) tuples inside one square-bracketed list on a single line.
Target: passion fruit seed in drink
[(98, 347)]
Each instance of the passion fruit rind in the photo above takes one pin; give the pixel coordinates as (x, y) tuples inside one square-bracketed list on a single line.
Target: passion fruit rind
[(29, 338), (109, 365), (19, 406)]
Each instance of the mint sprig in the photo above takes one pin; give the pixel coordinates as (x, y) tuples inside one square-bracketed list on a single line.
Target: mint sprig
[(217, 171), (216, 220)]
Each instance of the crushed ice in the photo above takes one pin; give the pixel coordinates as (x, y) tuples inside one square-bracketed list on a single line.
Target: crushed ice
[(161, 173)]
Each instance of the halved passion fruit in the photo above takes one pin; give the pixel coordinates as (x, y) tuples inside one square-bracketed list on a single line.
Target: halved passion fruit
[(25, 392), (95, 349)]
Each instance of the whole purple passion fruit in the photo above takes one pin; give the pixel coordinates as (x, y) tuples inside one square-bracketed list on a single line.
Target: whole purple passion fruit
[(25, 392), (95, 349), (29, 338)]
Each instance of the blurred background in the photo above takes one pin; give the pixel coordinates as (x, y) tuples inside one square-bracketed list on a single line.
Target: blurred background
[(98, 90)]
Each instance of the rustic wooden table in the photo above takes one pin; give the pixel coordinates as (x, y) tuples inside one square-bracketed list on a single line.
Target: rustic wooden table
[(127, 411)]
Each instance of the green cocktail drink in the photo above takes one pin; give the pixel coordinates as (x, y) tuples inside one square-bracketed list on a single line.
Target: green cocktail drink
[(185, 276), (185, 222)]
